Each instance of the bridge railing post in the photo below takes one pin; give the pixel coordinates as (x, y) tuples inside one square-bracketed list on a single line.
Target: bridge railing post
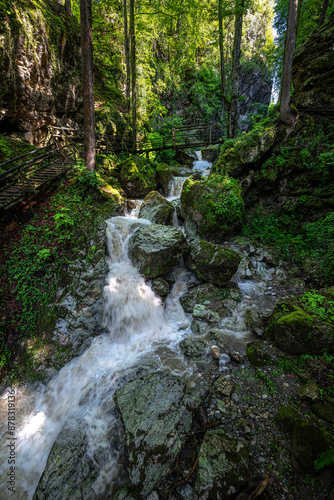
[(174, 137)]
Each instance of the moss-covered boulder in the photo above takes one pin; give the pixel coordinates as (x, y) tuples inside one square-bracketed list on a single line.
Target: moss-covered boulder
[(154, 415), (157, 209), (258, 355), (137, 177), (297, 328), (286, 419), (212, 208), (210, 262), (205, 299), (70, 470), (308, 442), (156, 249), (324, 411), (244, 151), (222, 466)]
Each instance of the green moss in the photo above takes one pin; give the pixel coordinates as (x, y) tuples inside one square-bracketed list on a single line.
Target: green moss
[(257, 355), (286, 419)]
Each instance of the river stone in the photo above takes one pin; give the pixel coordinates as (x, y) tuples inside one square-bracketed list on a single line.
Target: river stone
[(193, 348), (160, 287), (257, 354), (154, 416), (203, 298), (308, 442), (70, 470), (156, 249), (222, 466), (295, 331), (156, 209), (214, 263), (224, 386), (309, 392)]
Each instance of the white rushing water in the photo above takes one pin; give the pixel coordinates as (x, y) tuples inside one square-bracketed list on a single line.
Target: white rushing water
[(202, 165), (136, 325)]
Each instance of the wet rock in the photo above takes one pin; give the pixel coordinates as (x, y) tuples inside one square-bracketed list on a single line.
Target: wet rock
[(254, 321), (309, 392), (202, 312), (123, 494), (137, 177), (295, 331), (222, 466), (156, 249), (324, 411), (198, 326), (169, 278), (210, 298), (286, 419), (156, 209), (185, 157), (154, 417), (214, 263), (258, 355), (160, 287), (215, 351), (194, 348), (308, 442), (224, 386), (212, 209), (70, 468), (223, 361), (210, 153)]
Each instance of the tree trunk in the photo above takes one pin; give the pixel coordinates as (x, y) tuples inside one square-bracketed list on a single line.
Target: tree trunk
[(133, 74), (87, 77), (323, 13), (68, 6), (233, 117), (286, 113), (299, 11), (127, 55), (221, 50)]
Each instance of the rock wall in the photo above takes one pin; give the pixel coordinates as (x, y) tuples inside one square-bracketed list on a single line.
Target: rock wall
[(313, 70), (40, 68)]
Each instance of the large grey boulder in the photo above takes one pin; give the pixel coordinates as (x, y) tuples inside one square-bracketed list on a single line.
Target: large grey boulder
[(154, 415), (214, 263), (70, 470), (222, 466), (156, 249), (209, 303), (157, 209)]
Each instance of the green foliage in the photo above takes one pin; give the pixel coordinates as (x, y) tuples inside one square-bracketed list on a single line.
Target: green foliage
[(318, 304), (326, 458)]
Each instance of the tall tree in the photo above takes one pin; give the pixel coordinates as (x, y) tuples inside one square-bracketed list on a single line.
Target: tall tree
[(133, 74), (87, 77), (221, 52), (323, 13), (233, 112), (127, 54), (287, 115), (68, 6)]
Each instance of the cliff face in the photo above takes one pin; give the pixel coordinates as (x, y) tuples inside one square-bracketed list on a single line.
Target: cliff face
[(313, 70), (39, 68), (256, 86)]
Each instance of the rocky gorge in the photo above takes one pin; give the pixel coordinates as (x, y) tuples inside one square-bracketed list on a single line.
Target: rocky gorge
[(188, 353)]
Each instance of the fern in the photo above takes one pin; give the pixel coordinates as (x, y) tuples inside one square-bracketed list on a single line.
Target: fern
[(326, 458)]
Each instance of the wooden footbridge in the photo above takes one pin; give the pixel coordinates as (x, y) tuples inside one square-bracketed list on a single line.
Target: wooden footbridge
[(25, 174)]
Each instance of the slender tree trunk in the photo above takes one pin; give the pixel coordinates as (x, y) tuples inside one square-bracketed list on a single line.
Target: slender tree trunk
[(323, 13), (299, 11), (68, 6), (221, 50), (133, 74), (286, 113), (127, 56), (87, 77), (233, 117)]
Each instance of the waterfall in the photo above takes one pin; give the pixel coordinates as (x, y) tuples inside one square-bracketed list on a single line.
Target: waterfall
[(136, 326)]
